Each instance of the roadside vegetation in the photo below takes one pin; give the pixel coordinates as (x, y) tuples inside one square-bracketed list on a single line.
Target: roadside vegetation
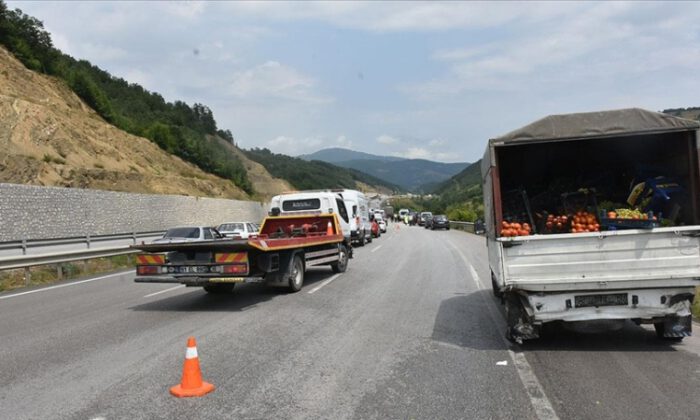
[(313, 174), (46, 274), (183, 130)]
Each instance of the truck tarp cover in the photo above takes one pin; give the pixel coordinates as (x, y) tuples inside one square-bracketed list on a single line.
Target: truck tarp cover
[(623, 122)]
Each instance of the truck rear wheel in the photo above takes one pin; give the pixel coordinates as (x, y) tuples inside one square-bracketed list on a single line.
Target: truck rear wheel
[(494, 286), (342, 264), (219, 289), (296, 276)]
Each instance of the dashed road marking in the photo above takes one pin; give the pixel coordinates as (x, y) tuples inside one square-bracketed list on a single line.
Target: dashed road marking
[(59, 286), (324, 283), (165, 291), (540, 403), (376, 248)]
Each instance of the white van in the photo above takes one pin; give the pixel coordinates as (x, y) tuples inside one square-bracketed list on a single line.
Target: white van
[(358, 206), (314, 202)]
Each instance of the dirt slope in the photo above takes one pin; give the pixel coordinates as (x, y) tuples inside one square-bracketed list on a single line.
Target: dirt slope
[(48, 136)]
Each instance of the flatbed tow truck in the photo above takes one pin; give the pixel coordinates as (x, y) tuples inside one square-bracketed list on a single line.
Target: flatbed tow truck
[(278, 256)]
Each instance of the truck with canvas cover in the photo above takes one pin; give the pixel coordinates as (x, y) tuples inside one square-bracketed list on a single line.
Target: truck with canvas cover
[(278, 256), (595, 216)]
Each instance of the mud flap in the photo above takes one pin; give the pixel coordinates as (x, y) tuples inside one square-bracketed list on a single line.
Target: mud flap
[(520, 326), (676, 327)]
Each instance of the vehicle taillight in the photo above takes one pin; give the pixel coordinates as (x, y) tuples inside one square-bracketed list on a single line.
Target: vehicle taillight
[(236, 269), (147, 269)]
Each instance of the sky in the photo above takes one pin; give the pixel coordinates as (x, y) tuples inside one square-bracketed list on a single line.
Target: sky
[(413, 79)]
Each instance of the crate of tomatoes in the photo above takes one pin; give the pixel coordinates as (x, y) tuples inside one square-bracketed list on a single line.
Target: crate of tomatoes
[(512, 229), (584, 221)]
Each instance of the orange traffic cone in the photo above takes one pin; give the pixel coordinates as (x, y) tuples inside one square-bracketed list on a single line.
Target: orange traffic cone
[(329, 229), (191, 384)]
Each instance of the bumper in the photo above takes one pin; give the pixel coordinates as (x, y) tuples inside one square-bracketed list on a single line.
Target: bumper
[(197, 281), (645, 304)]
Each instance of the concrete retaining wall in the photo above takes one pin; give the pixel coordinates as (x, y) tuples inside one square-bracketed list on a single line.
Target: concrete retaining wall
[(31, 212)]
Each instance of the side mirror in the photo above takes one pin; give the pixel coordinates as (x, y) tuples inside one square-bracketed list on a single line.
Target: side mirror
[(275, 211)]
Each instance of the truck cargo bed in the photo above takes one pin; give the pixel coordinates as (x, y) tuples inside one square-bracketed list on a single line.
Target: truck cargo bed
[(661, 257)]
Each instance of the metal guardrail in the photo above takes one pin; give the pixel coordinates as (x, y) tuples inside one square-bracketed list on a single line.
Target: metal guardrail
[(29, 253), (465, 226)]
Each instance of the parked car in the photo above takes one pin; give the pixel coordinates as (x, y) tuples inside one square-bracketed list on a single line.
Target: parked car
[(479, 227), (242, 230), (189, 234), (423, 217), (375, 229), (439, 222), (381, 222)]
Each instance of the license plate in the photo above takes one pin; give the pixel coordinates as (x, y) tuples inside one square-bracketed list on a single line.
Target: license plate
[(192, 269), (617, 299), (227, 280)]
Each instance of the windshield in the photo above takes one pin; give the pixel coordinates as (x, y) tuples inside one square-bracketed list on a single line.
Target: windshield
[(231, 227), (189, 233)]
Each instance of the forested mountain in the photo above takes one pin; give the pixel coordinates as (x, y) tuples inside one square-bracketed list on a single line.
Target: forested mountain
[(316, 174), (339, 154), (178, 128), (415, 175)]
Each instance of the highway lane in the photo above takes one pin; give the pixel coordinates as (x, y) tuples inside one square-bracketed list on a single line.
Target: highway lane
[(407, 332)]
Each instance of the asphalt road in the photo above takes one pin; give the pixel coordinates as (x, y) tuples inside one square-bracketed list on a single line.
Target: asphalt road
[(409, 331)]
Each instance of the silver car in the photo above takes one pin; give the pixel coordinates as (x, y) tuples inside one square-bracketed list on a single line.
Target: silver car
[(242, 230), (189, 234)]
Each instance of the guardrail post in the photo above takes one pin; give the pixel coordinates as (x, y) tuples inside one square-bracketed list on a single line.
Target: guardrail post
[(59, 271), (24, 246), (133, 236), (88, 240), (27, 276)]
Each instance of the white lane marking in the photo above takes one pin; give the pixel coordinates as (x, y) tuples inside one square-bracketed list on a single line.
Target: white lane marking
[(325, 282), (475, 276), (540, 403), (165, 291), (66, 285), (376, 248), (502, 363)]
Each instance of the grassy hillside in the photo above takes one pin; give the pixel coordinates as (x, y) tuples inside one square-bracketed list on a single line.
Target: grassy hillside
[(176, 127), (460, 197), (304, 175)]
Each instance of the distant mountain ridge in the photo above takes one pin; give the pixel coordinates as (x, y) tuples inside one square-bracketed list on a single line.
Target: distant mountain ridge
[(339, 154), (416, 175)]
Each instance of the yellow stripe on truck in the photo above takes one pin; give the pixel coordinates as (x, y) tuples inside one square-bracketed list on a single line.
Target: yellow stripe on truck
[(232, 257), (150, 259)]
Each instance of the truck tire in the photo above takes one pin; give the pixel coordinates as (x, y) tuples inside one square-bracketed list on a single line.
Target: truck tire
[(219, 289), (494, 286), (296, 275), (342, 264)]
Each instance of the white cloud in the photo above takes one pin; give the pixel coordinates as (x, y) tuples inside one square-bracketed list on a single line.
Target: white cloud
[(343, 141), (602, 42), (436, 142), (385, 139), (277, 81), (423, 153), (400, 16)]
